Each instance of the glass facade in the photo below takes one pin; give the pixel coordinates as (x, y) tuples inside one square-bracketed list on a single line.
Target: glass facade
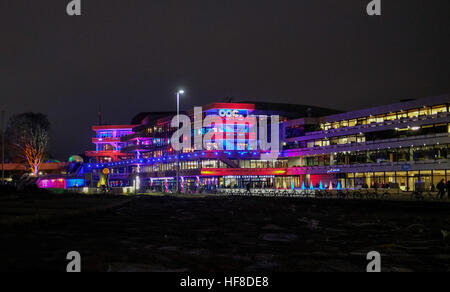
[(401, 180), (398, 133), (412, 113)]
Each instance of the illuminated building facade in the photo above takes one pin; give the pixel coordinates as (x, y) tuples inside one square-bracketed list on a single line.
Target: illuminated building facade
[(107, 143), (155, 162), (402, 146)]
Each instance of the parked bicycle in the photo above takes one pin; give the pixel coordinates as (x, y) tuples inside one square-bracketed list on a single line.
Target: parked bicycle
[(358, 195), (385, 196), (418, 196), (343, 195)]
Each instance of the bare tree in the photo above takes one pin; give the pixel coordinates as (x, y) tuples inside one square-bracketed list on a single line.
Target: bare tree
[(34, 147), (28, 139)]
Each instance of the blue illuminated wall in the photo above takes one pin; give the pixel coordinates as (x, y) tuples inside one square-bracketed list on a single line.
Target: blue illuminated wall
[(75, 183)]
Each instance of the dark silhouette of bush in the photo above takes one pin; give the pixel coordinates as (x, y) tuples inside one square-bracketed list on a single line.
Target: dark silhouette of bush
[(7, 190), (34, 192)]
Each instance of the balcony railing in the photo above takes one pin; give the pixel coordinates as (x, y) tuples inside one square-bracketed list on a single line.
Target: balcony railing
[(374, 145), (437, 118), (158, 135), (373, 167), (134, 148), (105, 140)]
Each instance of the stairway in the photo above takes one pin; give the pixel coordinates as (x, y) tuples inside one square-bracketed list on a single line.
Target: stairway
[(228, 162)]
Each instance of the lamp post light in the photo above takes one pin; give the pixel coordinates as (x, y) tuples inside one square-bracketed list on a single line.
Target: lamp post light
[(179, 93)]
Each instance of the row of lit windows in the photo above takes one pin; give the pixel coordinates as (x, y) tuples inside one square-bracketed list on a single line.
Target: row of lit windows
[(405, 180), (108, 147), (336, 141), (263, 164), (184, 165), (154, 130), (113, 134), (187, 165), (413, 113)]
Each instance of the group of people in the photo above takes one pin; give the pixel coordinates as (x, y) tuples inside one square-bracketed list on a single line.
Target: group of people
[(443, 188)]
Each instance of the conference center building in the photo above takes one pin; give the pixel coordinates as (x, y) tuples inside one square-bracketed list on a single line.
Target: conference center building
[(400, 146)]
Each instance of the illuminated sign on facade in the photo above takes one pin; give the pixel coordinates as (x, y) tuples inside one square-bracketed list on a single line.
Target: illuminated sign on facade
[(229, 113)]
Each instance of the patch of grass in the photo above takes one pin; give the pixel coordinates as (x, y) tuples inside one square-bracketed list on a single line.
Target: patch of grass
[(21, 210)]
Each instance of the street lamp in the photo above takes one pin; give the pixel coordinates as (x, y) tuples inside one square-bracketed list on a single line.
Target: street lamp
[(179, 93)]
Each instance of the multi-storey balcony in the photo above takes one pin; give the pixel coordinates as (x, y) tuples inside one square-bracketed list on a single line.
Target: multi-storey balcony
[(443, 117), (144, 135), (140, 148), (123, 176), (133, 137), (414, 141)]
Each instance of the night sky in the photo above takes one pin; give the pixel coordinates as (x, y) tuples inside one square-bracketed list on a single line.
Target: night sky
[(130, 56)]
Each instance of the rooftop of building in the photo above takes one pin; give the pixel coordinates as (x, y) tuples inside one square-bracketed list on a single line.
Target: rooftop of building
[(292, 111), (288, 111), (113, 127), (149, 117), (406, 104)]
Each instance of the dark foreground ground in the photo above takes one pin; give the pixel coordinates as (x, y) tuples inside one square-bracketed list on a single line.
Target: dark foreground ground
[(219, 234)]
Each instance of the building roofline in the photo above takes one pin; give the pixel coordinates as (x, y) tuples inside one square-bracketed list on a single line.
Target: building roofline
[(212, 106), (113, 127), (229, 105), (385, 109)]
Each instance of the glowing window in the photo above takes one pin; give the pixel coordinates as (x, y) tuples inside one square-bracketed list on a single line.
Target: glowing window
[(426, 111), (413, 113), (439, 109), (390, 117), (380, 119)]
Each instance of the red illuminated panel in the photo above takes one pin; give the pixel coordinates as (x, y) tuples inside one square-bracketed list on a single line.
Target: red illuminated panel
[(103, 153), (105, 140), (243, 172), (239, 106), (114, 127), (52, 183)]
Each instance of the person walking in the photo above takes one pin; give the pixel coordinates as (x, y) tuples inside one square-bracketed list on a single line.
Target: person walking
[(441, 188)]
